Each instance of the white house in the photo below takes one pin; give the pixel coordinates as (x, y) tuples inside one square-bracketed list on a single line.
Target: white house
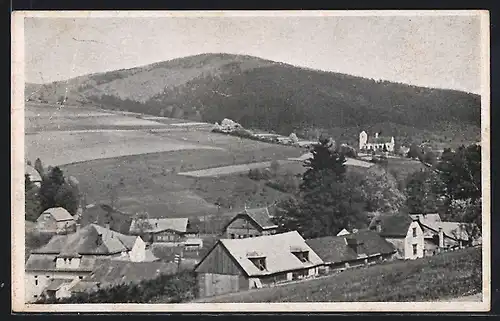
[(376, 143), (405, 233)]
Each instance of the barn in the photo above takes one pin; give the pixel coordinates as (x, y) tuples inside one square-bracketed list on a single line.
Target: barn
[(234, 265)]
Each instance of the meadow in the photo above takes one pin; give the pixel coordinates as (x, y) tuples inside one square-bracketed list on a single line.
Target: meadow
[(137, 167), (445, 276)]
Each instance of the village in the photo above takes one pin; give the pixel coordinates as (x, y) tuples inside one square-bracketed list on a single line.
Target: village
[(100, 247)]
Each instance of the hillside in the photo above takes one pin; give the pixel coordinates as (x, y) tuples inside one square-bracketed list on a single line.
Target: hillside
[(440, 277), (269, 95)]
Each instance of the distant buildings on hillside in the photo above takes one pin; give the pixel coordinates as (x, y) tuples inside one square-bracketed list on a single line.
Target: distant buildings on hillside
[(376, 143)]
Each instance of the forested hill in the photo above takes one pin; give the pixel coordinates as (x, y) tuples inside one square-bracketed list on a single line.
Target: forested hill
[(275, 96)]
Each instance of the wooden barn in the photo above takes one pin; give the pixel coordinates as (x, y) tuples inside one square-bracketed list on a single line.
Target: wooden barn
[(234, 265), (250, 223)]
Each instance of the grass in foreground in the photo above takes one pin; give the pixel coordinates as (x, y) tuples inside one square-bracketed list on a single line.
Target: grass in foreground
[(448, 275)]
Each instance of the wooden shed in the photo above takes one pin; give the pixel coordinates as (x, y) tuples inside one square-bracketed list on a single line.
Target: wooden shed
[(234, 265)]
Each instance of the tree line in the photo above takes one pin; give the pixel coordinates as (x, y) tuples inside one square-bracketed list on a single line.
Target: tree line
[(330, 198), (55, 190)]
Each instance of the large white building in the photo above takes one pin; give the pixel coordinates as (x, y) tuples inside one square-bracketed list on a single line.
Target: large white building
[(376, 143)]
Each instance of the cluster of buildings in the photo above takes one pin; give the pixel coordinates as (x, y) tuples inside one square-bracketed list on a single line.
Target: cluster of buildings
[(249, 253), (229, 126), (252, 254)]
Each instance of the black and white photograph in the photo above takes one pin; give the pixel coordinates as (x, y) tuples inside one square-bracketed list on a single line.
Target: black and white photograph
[(250, 161)]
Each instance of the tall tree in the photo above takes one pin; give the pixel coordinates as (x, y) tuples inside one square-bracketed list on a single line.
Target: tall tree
[(380, 191), (39, 167), (424, 191), (57, 192), (32, 201), (327, 202)]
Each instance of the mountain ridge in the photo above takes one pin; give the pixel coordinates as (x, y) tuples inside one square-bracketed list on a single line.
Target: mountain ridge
[(276, 96)]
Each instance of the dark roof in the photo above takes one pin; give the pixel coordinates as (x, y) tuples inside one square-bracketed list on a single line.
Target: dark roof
[(335, 249), (111, 272), (379, 140), (101, 214), (392, 224), (56, 284), (260, 216), (47, 262), (90, 240)]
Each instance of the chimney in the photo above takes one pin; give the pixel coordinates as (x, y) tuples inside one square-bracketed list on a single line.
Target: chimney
[(376, 135), (441, 238)]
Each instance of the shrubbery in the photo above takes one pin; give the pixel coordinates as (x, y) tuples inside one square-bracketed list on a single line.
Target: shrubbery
[(175, 288)]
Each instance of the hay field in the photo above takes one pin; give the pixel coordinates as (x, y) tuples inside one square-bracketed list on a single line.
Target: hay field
[(65, 147)]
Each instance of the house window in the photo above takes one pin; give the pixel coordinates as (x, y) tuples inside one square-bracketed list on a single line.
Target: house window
[(414, 249), (302, 256), (414, 232), (260, 263), (232, 236), (36, 281), (80, 277)]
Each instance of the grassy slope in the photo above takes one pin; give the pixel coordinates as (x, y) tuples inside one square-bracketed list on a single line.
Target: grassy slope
[(281, 97), (449, 275)]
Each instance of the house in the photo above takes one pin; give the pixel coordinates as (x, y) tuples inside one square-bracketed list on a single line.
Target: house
[(106, 216), (165, 230), (240, 264), (109, 273), (439, 235), (250, 223), (376, 143), (354, 249), (74, 256), (60, 288), (56, 220), (403, 232), (33, 174), (343, 232)]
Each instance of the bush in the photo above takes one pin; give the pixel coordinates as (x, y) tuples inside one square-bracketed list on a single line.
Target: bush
[(175, 288)]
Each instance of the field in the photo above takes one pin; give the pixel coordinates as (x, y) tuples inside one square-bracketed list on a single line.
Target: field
[(147, 161), (441, 277), (118, 156)]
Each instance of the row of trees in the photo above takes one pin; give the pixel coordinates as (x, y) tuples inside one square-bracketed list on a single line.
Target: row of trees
[(55, 190), (330, 198), (452, 186)]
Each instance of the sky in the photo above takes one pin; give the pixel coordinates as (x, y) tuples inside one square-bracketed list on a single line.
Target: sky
[(429, 51)]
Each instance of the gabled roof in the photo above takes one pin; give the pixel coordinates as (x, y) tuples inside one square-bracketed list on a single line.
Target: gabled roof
[(276, 249), (335, 249), (117, 220), (395, 225), (432, 223), (59, 214), (379, 140), (47, 262), (343, 232), (90, 240), (83, 286), (426, 219), (111, 272), (33, 173), (259, 216), (160, 224), (56, 284)]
